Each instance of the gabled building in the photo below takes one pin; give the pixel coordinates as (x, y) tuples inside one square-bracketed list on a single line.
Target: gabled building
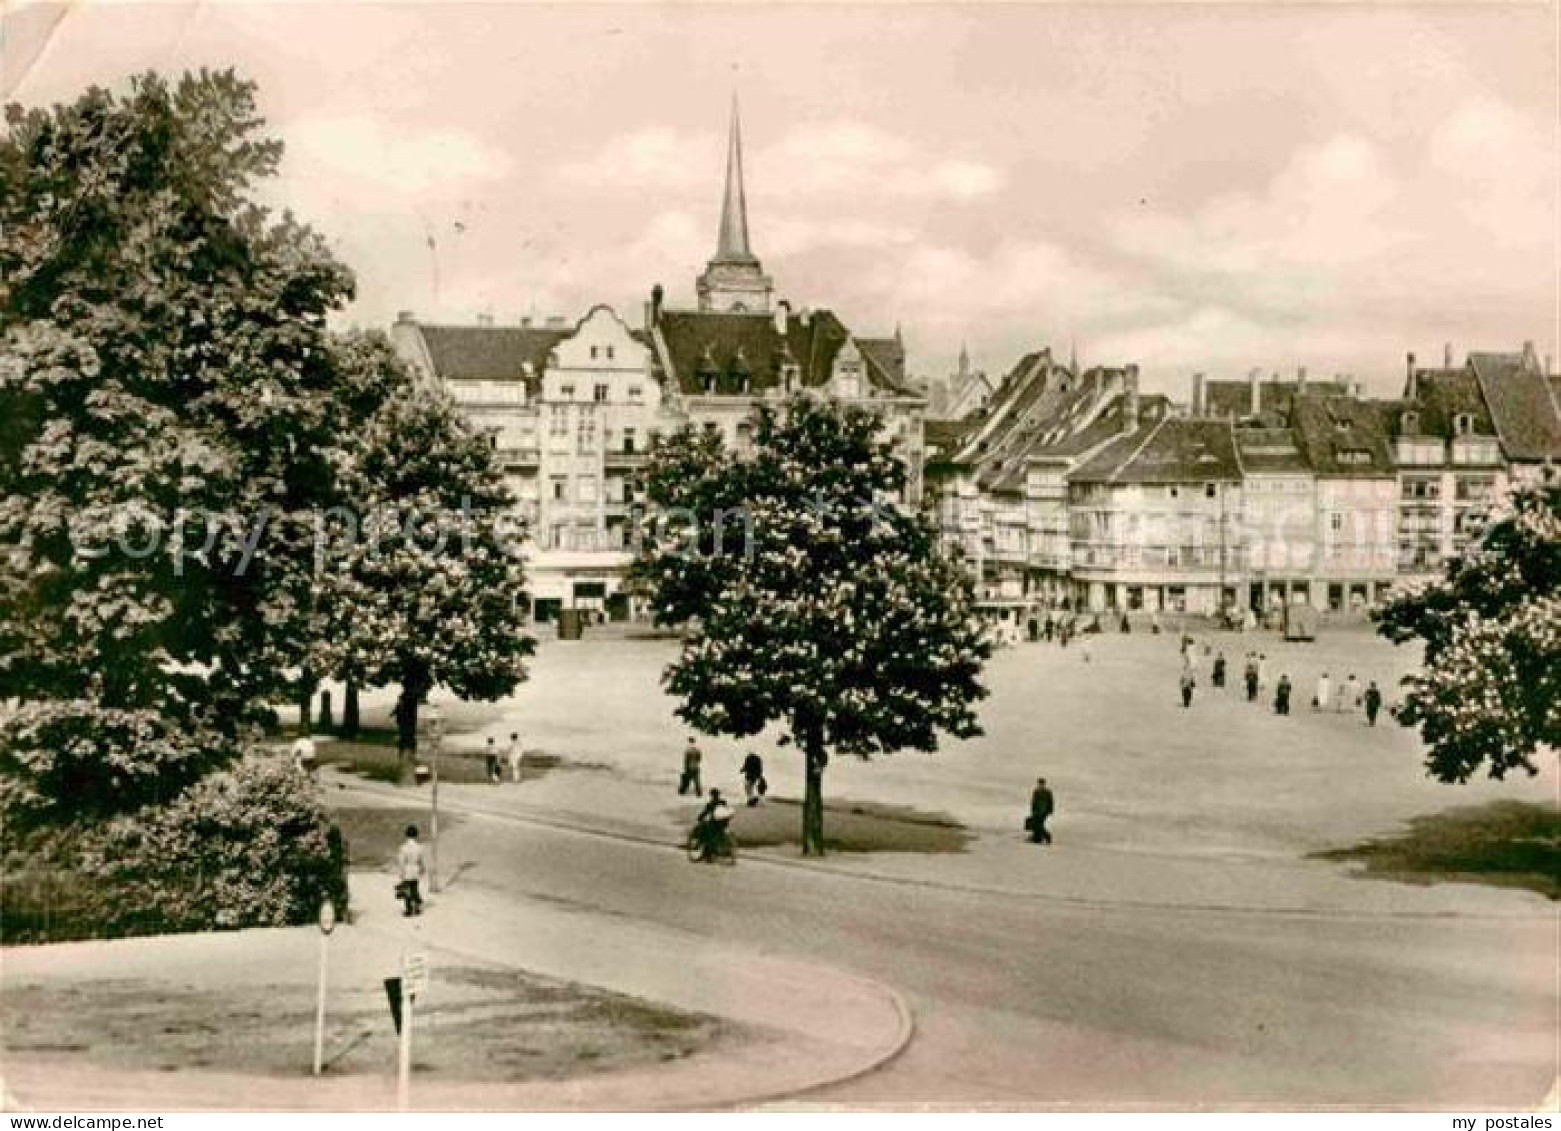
[(740, 348), (1154, 517), (1462, 436), (571, 410)]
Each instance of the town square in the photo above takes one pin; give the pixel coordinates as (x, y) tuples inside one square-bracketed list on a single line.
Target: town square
[(932, 584)]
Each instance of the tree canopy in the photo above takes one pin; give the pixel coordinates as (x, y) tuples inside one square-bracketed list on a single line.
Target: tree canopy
[(1489, 691), (810, 598)]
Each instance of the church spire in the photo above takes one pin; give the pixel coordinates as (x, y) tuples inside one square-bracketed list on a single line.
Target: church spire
[(733, 280), (733, 244)]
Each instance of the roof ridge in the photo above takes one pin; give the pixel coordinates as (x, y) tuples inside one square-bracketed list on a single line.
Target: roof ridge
[(1138, 451)]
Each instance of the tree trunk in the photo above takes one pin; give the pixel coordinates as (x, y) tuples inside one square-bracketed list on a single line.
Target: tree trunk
[(306, 686), (813, 799), (406, 733), (349, 711)]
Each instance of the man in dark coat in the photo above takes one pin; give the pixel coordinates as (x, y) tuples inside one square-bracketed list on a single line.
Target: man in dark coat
[(1373, 703), (1282, 696), (1042, 805), (1250, 675), (1217, 676)]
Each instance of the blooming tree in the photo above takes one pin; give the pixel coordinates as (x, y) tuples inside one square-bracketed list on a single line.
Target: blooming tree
[(1489, 692), (809, 598), (422, 577)]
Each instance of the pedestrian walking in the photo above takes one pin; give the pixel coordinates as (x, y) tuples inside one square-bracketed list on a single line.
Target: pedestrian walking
[(1323, 694), (490, 756), (1349, 697), (1282, 696), (691, 763), (1042, 806), (1189, 681), (1217, 675), (1373, 703), (1250, 675), (409, 872), (304, 756), (515, 755), (754, 785)]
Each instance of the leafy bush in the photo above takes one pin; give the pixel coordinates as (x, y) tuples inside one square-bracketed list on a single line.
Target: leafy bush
[(74, 760), (245, 847)]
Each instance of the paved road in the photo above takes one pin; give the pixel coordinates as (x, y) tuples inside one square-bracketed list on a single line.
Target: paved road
[(1034, 1001)]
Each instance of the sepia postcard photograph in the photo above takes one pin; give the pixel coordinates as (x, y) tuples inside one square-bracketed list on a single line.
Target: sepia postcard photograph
[(808, 558)]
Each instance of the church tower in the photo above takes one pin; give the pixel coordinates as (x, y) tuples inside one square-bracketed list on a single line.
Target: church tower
[(734, 281)]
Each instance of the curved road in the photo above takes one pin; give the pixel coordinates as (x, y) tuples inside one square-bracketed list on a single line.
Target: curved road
[(1029, 1001)]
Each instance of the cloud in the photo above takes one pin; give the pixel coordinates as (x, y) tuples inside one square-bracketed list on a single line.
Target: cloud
[(844, 162), (370, 159)]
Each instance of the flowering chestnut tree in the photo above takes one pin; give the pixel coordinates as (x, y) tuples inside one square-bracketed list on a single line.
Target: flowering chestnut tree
[(1489, 692), (808, 598), (421, 575)]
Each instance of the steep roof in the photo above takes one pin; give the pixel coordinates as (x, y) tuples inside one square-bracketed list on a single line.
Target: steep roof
[(886, 353), (1441, 395), (490, 353), (730, 344), (1522, 405), (1234, 398), (1176, 450), (1270, 451), (1343, 437)]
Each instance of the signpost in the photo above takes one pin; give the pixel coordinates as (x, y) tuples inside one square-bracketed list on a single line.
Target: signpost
[(327, 925), (435, 738), (414, 980)]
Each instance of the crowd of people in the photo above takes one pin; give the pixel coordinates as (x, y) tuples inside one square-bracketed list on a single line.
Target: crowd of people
[(1351, 697)]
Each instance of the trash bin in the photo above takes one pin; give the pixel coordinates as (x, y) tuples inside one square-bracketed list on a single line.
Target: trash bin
[(569, 624)]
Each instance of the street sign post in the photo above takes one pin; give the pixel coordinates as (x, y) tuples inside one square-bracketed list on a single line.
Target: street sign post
[(327, 925), (414, 981), (435, 740)]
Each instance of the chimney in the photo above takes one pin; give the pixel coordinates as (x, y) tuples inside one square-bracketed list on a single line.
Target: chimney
[(804, 315), (782, 316), (1411, 382), (1447, 355), (1300, 378), (405, 317), (556, 322), (525, 321), (1255, 385), (1360, 390), (656, 296), (484, 319), (1197, 394), (1130, 400)]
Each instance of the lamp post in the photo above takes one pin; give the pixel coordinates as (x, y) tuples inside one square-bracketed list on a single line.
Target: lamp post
[(435, 737)]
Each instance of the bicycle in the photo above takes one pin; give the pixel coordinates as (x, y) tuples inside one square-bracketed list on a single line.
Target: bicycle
[(701, 849)]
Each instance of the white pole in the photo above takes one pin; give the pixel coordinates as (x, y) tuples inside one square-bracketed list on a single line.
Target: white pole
[(319, 1008), (404, 1073)]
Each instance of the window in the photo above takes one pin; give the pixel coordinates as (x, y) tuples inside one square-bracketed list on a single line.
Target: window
[(566, 392), (558, 421), (593, 353), (1208, 490), (1336, 521), (1354, 456), (609, 353), (636, 393), (1463, 424), (628, 440), (560, 486), (601, 393)]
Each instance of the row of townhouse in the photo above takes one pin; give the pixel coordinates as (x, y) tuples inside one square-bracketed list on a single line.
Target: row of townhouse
[(573, 409), (1073, 486)]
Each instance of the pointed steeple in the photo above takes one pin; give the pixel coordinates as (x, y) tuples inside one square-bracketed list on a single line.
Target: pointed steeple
[(734, 280), (733, 244), (964, 360)]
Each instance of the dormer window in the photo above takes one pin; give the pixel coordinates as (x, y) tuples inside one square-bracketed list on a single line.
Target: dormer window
[(1409, 423), (1463, 424)]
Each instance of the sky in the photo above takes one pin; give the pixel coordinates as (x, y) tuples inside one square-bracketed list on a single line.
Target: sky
[(1189, 187)]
